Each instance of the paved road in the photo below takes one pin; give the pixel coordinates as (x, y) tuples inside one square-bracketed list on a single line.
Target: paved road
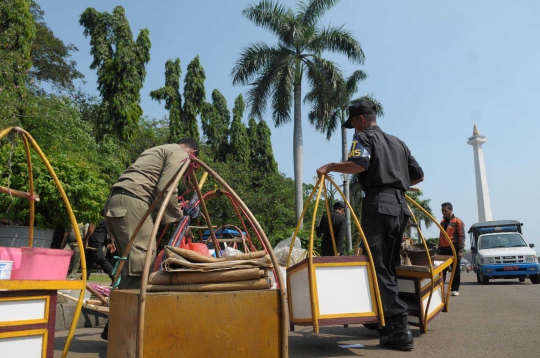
[(497, 320)]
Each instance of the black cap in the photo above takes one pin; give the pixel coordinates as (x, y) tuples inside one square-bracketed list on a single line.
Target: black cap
[(362, 107), (338, 205)]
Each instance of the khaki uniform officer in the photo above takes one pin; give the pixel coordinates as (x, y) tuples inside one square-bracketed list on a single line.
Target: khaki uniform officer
[(134, 192)]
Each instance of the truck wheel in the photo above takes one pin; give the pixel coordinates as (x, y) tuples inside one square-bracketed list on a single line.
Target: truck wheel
[(535, 279), (482, 279), (478, 277), (521, 279)]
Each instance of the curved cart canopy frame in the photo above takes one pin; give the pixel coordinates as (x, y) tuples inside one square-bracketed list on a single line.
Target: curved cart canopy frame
[(378, 309), (46, 284), (166, 194)]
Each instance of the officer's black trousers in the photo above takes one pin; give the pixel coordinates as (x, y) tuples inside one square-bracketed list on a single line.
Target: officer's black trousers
[(97, 256), (384, 218)]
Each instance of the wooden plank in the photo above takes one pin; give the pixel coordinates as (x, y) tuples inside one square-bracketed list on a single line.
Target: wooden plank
[(25, 285)]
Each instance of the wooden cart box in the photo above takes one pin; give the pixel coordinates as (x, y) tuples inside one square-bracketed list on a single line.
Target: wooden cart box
[(27, 320), (415, 289), (197, 324), (342, 292)]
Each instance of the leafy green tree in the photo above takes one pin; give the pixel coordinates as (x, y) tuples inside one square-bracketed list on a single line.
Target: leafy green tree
[(276, 72), (194, 98), (239, 143), (120, 62), (215, 120), (17, 32), (150, 133), (252, 140), (265, 161), (51, 58), (260, 147), (170, 93), (69, 145)]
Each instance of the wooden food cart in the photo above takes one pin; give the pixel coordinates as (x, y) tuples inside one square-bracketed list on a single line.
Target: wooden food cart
[(28, 307), (422, 287), (315, 284), (176, 321), (333, 289)]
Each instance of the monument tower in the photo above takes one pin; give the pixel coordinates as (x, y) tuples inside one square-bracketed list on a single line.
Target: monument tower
[(482, 192)]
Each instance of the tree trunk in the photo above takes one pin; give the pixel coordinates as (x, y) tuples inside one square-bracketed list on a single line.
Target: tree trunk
[(298, 144), (346, 182)]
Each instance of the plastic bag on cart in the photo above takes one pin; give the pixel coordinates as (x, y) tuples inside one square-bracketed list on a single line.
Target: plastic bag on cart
[(282, 251), (231, 251)]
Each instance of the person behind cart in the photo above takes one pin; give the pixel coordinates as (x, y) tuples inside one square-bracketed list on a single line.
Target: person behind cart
[(97, 240), (69, 242)]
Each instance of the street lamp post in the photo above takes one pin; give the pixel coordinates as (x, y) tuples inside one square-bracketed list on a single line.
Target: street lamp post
[(345, 178)]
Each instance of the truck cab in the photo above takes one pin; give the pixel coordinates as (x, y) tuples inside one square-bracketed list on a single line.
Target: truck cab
[(500, 251)]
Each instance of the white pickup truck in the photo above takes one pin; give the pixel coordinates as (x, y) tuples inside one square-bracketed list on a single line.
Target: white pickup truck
[(500, 251)]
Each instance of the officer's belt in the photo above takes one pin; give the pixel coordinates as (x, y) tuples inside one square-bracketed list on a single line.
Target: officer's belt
[(122, 191), (382, 189)]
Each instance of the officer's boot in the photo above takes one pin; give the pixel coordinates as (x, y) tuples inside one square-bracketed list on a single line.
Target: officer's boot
[(385, 331), (401, 337)]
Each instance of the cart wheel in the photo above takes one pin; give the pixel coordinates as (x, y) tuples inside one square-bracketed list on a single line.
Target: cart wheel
[(535, 279)]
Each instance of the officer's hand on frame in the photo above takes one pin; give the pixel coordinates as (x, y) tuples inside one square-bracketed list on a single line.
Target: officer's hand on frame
[(323, 170)]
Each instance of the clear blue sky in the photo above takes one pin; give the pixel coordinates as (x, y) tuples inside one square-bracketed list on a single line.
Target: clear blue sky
[(437, 67)]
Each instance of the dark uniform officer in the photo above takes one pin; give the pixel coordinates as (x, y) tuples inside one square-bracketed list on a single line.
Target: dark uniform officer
[(339, 227), (386, 169), (94, 250)]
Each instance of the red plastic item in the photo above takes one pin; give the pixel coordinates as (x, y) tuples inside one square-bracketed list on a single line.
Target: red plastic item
[(197, 247), (36, 263)]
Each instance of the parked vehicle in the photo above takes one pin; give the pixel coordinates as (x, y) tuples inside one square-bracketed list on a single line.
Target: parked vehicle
[(500, 251)]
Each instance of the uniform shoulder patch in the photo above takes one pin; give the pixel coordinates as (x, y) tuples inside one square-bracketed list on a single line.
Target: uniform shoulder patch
[(358, 150)]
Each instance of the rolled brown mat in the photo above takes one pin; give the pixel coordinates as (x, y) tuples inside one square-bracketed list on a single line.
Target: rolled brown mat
[(179, 278), (180, 264), (190, 255), (246, 256), (260, 284)]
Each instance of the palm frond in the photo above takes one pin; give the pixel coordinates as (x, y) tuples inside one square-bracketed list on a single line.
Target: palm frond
[(263, 86), (253, 59), (282, 98), (269, 15), (313, 10), (325, 80), (337, 40), (351, 84)]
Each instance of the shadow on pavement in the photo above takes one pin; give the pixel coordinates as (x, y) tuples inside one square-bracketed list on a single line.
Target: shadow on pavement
[(87, 343)]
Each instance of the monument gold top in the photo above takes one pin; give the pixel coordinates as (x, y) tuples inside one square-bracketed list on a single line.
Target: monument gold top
[(475, 130)]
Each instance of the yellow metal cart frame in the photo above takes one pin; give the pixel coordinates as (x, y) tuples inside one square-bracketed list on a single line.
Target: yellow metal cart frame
[(309, 281), (28, 289)]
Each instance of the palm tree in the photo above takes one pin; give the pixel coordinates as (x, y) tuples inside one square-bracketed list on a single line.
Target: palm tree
[(275, 72), (420, 216)]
